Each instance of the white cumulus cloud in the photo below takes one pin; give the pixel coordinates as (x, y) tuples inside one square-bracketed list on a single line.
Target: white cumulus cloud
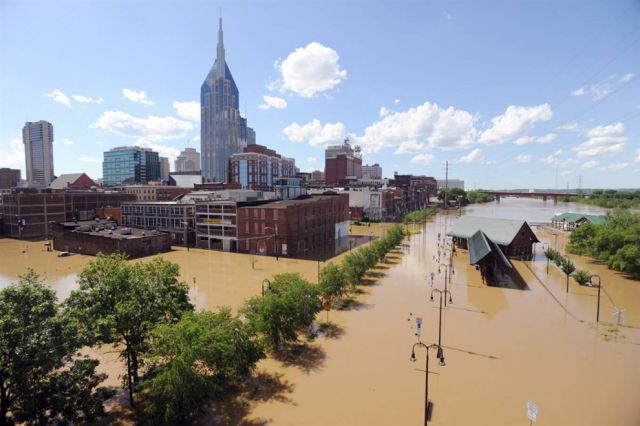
[(383, 111), (590, 164), (515, 121), (523, 158), (311, 160), (423, 159), (87, 100), (410, 147), (310, 70), (273, 102), (189, 110), (68, 142), (58, 96), (137, 97), (165, 151), (615, 166), (14, 156), (626, 78), (151, 128), (475, 156), (428, 123), (596, 91), (315, 133), (523, 140), (603, 140)]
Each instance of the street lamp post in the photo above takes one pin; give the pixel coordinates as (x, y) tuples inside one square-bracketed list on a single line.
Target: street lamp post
[(448, 271), (442, 293), (412, 358), (599, 285)]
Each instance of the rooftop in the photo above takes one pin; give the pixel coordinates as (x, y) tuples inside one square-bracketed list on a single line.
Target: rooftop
[(481, 246), (500, 231), (574, 217), (99, 228)]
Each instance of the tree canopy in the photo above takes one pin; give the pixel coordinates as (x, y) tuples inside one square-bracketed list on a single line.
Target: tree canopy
[(41, 378), (119, 302)]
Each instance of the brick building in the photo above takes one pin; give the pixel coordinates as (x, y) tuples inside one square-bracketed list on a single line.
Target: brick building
[(295, 228), (9, 178), (72, 181), (258, 167), (30, 214), (93, 237), (416, 191), (342, 162), (155, 193)]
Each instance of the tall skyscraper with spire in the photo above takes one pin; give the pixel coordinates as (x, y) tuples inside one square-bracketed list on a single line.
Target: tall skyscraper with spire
[(223, 131)]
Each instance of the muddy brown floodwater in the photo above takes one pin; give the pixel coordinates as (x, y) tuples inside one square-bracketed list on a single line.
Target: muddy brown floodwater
[(503, 346)]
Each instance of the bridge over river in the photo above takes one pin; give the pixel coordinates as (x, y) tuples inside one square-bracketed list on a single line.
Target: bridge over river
[(519, 194)]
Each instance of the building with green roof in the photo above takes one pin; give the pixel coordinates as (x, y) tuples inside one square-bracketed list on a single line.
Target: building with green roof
[(571, 221)]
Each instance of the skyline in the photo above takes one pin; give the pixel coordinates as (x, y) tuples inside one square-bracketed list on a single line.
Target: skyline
[(507, 97)]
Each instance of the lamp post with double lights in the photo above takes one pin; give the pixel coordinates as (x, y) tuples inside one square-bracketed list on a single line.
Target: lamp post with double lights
[(442, 293), (412, 358), (599, 286), (448, 271)]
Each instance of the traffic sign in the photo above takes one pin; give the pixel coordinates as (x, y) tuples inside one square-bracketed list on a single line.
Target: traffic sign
[(532, 411), (419, 325), (618, 316)]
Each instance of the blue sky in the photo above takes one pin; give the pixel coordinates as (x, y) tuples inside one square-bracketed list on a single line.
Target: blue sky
[(505, 91)]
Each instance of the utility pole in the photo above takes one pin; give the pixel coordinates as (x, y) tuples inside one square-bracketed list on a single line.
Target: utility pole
[(446, 185)]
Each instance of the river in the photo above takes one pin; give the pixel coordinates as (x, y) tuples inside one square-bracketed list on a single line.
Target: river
[(503, 347)]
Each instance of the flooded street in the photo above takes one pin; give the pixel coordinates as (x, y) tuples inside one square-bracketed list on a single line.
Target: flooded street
[(503, 346)]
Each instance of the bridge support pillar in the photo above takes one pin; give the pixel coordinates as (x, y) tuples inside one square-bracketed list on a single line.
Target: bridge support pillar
[(544, 198), (497, 198), (555, 199)]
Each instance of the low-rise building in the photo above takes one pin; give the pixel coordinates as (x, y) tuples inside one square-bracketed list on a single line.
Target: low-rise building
[(571, 221), (72, 181), (28, 214), (101, 236), (451, 183), (372, 172), (155, 192), (258, 167), (297, 228), (172, 217)]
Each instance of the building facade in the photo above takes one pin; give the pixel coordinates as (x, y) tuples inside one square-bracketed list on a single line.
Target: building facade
[(38, 150), (155, 193), (342, 162), (304, 227), (9, 178), (164, 168), (29, 215), (188, 161), (223, 131), (130, 165), (372, 172), (174, 218), (259, 167)]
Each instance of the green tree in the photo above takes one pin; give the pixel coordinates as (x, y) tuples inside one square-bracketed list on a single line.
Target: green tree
[(567, 268), (41, 381), (120, 302), (332, 281), (582, 277), (453, 194), (194, 359), (290, 306)]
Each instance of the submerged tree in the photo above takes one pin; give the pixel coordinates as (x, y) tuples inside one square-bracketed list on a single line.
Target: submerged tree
[(196, 358), (567, 268), (582, 277), (332, 281), (120, 302), (41, 379), (290, 305)]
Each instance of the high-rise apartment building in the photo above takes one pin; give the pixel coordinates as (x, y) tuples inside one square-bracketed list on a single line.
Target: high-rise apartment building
[(259, 167), (372, 172), (130, 165), (164, 168), (223, 131), (38, 151), (188, 161), (342, 162)]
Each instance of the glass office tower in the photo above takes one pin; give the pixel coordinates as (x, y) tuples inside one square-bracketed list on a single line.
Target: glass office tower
[(129, 165), (223, 131)]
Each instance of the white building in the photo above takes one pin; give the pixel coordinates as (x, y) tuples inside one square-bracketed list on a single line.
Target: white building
[(188, 161), (372, 172), (38, 151)]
